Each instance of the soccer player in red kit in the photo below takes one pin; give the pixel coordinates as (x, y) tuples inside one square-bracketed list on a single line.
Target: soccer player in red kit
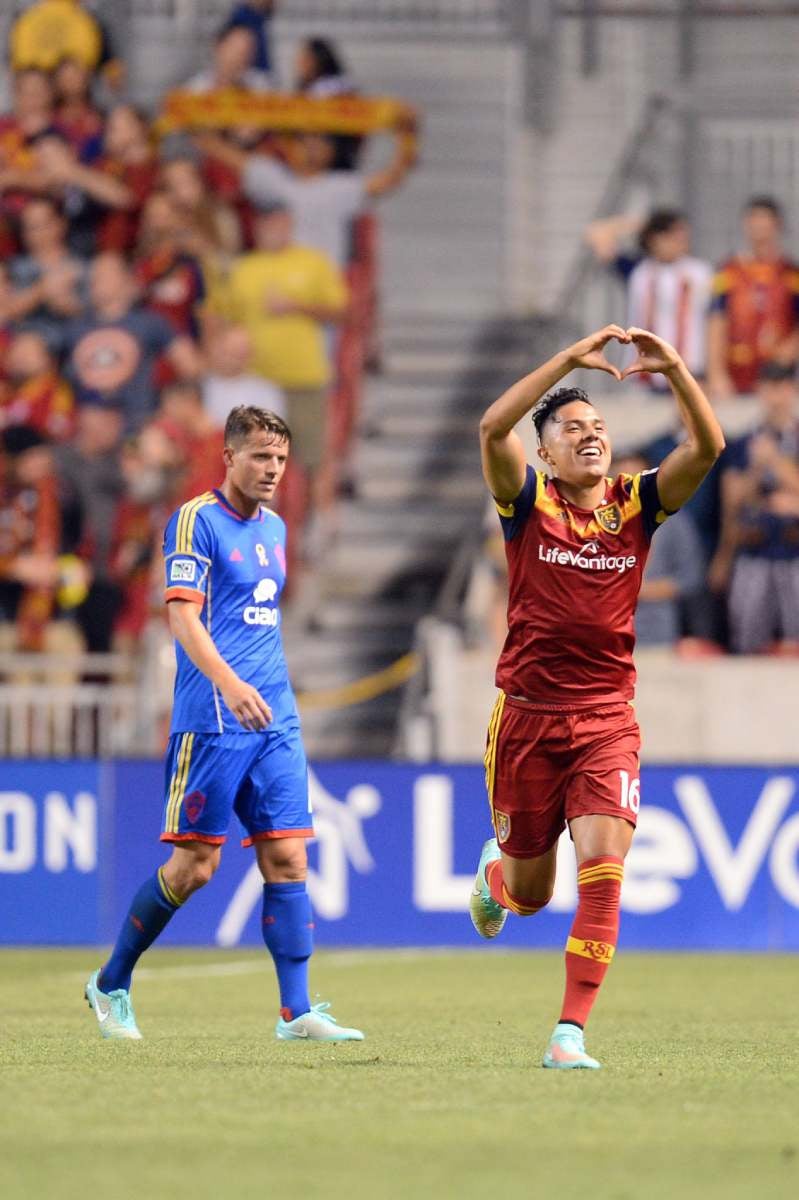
[(563, 741)]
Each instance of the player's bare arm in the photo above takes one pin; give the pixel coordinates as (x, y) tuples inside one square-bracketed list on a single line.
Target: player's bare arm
[(502, 450), (684, 469), (244, 701)]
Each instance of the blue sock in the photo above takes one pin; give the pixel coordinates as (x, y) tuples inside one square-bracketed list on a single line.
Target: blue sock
[(287, 926), (151, 910)]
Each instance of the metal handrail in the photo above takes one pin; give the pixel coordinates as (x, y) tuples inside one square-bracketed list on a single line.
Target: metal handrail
[(612, 198)]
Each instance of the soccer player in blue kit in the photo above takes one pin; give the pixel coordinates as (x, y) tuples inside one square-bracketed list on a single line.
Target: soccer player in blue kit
[(235, 743)]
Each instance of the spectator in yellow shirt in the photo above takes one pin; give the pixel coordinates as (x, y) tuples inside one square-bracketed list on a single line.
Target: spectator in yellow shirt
[(284, 295)]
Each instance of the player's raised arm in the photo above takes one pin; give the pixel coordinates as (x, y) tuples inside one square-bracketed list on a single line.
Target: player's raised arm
[(244, 701), (681, 473), (502, 451)]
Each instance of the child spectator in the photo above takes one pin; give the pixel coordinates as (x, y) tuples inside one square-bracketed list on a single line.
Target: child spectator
[(36, 395)]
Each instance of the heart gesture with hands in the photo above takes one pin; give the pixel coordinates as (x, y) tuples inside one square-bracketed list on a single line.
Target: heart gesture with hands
[(655, 357), (589, 351)]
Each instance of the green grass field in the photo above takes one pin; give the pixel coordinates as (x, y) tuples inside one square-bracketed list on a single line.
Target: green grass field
[(699, 1096)]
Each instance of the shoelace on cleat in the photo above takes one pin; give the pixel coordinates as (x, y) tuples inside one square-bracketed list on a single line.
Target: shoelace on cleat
[(121, 1005), (321, 1010)]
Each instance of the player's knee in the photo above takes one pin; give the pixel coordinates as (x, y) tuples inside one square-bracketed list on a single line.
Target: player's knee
[(204, 871), (285, 864), (189, 874)]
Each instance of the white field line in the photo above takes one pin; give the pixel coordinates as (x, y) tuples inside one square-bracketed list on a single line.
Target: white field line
[(329, 958)]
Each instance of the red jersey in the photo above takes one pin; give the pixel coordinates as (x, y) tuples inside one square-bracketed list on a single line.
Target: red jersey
[(574, 578), (761, 302)]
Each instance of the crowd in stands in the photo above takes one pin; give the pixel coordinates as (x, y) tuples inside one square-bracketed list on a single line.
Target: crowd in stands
[(151, 280), (725, 574)]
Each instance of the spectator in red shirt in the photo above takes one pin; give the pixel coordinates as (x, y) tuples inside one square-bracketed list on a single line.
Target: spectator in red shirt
[(37, 396), (32, 114), (198, 440), (29, 536), (76, 115), (755, 312), (170, 279), (210, 228), (128, 155)]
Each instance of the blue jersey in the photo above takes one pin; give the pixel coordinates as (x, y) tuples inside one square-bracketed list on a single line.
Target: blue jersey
[(235, 568)]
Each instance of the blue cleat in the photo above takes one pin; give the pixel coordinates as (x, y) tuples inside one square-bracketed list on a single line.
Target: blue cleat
[(488, 917), (113, 1010), (566, 1050), (317, 1025)]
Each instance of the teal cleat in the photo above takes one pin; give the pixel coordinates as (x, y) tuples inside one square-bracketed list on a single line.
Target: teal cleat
[(488, 917), (566, 1050), (317, 1025), (113, 1010)]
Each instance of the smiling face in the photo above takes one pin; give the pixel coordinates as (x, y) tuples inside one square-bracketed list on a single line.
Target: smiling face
[(575, 445), (255, 464)]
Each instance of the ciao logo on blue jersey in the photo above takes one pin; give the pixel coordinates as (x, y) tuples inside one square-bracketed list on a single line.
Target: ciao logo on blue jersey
[(264, 593)]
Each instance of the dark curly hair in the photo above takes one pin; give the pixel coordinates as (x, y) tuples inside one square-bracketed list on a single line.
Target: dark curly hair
[(549, 404)]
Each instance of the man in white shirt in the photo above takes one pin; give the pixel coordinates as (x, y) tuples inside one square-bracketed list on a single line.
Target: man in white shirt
[(323, 201), (669, 290)]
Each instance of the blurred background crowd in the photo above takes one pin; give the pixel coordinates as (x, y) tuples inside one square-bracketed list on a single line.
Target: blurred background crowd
[(153, 277), (150, 281)]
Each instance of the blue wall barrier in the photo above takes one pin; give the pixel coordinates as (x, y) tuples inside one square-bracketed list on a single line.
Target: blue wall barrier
[(715, 862)]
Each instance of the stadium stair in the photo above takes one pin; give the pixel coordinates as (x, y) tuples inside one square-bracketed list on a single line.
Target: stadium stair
[(418, 492)]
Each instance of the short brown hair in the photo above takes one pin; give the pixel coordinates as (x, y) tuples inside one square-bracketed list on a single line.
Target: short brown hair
[(243, 419)]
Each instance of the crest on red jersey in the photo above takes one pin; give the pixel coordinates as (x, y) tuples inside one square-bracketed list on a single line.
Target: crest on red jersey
[(502, 821), (609, 518)]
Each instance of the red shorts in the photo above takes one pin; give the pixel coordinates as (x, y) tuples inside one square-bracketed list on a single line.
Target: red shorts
[(543, 768)]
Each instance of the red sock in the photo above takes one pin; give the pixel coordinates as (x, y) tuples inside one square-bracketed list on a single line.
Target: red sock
[(593, 936), (496, 886)]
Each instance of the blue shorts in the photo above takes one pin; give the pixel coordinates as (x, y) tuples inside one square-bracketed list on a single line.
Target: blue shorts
[(261, 777)]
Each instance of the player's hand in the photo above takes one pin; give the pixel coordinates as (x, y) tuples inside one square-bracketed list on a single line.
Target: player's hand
[(589, 351), (247, 705), (655, 357)]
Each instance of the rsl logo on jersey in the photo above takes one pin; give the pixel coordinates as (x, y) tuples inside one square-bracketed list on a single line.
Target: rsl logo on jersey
[(609, 518)]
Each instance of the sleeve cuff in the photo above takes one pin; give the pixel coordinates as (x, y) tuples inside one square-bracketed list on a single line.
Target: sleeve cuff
[(183, 593)]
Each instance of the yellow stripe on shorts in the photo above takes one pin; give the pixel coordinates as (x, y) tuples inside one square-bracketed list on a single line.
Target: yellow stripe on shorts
[(490, 758), (178, 788)]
